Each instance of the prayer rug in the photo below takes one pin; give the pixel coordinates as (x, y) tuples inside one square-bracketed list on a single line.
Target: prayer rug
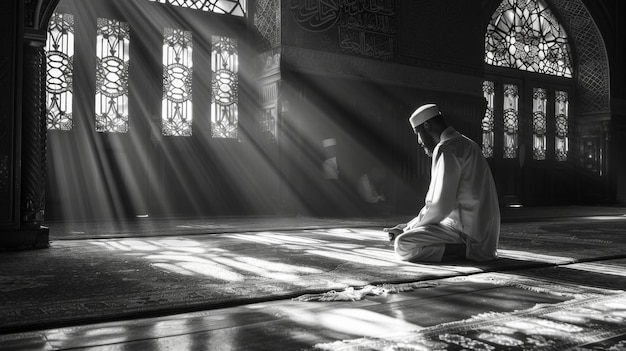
[(151, 227), (592, 318), (79, 281), (85, 281), (527, 279)]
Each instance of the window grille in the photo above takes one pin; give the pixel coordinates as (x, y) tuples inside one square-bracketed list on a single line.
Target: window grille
[(539, 124), (511, 120), (488, 119), (59, 69), (525, 34), (561, 113), (225, 96), (227, 7), (112, 53), (177, 102)]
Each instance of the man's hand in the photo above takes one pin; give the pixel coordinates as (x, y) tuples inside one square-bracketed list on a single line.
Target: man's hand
[(395, 231)]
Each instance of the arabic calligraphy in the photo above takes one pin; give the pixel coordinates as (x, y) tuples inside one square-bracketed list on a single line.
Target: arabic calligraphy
[(367, 44), (315, 15), (382, 7), (364, 27), (367, 27)]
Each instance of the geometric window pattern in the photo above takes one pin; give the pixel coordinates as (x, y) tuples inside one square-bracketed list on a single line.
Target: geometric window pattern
[(525, 34), (511, 120), (112, 53), (177, 102), (539, 124), (59, 68), (227, 7), (224, 84), (561, 114), (591, 57), (488, 120), (266, 22)]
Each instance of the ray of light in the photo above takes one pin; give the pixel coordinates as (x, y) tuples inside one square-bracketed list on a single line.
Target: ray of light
[(143, 174)]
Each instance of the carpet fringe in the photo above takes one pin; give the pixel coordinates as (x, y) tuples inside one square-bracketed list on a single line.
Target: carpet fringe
[(355, 294), (557, 336), (546, 287), (534, 285)]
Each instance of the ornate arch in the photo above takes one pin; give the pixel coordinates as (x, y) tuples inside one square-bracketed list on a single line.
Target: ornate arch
[(527, 36), (589, 53), (592, 63), (37, 13)]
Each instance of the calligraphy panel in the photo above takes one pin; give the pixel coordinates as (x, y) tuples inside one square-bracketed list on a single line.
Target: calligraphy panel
[(358, 27)]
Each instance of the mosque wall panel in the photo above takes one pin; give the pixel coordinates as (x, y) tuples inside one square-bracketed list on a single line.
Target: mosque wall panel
[(356, 27), (445, 35), (369, 122), (618, 158), (359, 68), (9, 172)]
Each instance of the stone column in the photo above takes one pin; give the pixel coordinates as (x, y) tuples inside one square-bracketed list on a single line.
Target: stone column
[(33, 136), (32, 233), (24, 229)]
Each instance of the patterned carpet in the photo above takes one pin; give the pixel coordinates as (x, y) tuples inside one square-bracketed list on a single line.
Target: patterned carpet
[(78, 281), (591, 320)]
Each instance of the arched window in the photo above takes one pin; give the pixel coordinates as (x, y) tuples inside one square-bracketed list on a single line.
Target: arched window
[(524, 34), (228, 7), (224, 81), (526, 41), (112, 101)]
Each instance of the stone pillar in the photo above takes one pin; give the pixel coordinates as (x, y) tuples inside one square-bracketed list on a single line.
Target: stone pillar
[(32, 136), (27, 131), (10, 63)]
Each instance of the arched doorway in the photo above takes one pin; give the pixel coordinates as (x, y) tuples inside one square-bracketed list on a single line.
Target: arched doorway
[(539, 89)]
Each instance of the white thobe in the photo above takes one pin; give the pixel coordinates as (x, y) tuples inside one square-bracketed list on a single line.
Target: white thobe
[(461, 205)]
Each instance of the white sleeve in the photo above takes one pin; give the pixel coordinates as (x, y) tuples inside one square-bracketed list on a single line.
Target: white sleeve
[(441, 198)]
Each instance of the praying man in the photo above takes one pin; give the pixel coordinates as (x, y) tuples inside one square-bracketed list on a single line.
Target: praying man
[(461, 214)]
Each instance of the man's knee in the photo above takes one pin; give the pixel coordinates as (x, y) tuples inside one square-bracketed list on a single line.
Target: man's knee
[(404, 255), (418, 253), (403, 249)]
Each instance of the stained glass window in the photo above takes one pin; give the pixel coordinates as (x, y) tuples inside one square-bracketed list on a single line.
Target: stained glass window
[(60, 65), (177, 100), (488, 119), (539, 124), (561, 114), (525, 34), (224, 101), (511, 120), (228, 7), (112, 53)]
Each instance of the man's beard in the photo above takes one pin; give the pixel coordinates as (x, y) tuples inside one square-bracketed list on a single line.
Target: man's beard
[(428, 144)]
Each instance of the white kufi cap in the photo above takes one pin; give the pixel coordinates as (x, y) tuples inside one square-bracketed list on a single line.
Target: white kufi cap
[(423, 114)]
